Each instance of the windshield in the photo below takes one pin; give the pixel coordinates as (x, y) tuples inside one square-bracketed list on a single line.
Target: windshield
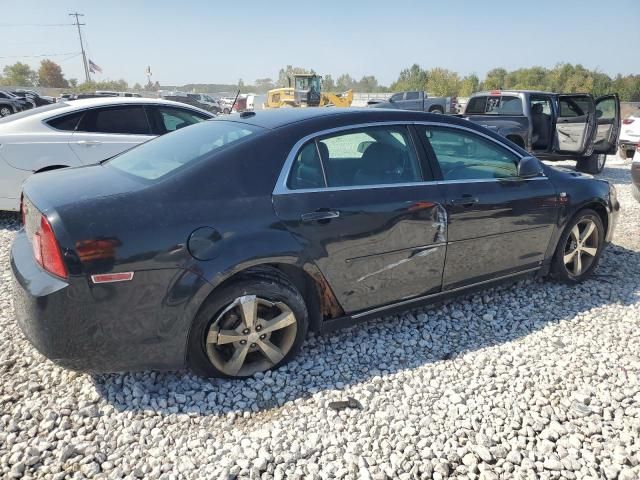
[(33, 111), (164, 155)]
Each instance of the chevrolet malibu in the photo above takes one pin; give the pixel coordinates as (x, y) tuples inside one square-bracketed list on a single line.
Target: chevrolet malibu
[(219, 246)]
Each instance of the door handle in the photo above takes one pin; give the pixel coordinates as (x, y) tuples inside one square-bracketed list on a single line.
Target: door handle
[(319, 215), (464, 201), (89, 143)]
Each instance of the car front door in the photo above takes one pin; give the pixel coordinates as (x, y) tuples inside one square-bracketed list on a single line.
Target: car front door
[(575, 124), (363, 205), (498, 223), (608, 124), (107, 131)]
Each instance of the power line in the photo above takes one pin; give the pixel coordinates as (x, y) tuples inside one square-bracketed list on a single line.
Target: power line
[(37, 24), (43, 55)]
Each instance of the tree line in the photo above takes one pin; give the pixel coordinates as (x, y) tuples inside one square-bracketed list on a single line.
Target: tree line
[(564, 77)]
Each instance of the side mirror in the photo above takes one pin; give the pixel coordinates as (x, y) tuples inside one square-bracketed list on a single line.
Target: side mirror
[(529, 167)]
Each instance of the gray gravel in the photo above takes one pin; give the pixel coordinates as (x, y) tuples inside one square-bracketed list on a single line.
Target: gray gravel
[(533, 380)]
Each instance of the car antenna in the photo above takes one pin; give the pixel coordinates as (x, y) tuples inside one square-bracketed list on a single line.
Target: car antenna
[(234, 101)]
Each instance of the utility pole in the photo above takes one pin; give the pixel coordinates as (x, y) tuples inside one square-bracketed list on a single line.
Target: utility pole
[(84, 55)]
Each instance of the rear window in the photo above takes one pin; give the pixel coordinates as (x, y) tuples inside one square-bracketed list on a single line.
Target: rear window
[(33, 111), (476, 105), (164, 155)]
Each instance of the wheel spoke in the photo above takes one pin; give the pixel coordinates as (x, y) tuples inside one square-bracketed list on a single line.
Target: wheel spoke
[(236, 361), (281, 321), (568, 257), (228, 336), (588, 231), (590, 251), (249, 310), (575, 233), (273, 353), (577, 264)]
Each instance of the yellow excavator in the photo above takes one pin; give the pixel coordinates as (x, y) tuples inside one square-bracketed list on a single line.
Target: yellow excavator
[(306, 91)]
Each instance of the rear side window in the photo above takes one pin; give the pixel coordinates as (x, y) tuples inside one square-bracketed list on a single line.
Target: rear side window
[(412, 96), (67, 123), (167, 154), (131, 120), (360, 157)]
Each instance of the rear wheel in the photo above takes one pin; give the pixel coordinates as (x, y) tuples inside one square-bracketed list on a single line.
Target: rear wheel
[(594, 163), (436, 110), (579, 248), (255, 324), (5, 111)]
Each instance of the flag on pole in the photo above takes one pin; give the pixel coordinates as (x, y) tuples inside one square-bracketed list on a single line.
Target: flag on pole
[(93, 68)]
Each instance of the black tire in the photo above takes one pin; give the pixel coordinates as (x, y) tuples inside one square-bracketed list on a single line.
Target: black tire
[(226, 111), (630, 153), (594, 163), (559, 269), (5, 110), (436, 110), (268, 284)]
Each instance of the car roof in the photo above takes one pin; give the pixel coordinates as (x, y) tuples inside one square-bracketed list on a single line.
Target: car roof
[(507, 92), (276, 118), (113, 100)]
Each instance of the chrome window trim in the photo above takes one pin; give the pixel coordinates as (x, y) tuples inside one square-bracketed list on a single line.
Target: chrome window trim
[(281, 187)]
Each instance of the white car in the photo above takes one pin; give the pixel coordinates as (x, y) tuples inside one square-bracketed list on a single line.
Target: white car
[(629, 135), (81, 132)]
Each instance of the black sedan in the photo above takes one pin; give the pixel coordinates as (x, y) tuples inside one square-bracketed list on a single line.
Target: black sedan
[(220, 245)]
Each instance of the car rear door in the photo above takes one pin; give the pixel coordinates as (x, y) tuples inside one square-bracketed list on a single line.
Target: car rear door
[(107, 131), (575, 124), (498, 223), (608, 124), (370, 216)]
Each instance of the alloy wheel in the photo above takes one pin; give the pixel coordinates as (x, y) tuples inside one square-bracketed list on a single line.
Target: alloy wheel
[(582, 247), (250, 335), (5, 111)]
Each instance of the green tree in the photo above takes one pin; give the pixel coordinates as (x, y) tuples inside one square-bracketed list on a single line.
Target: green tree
[(495, 79), (50, 75), (286, 74), (345, 82), (413, 78), (469, 85), (328, 85), (20, 74), (137, 86), (73, 82), (442, 82)]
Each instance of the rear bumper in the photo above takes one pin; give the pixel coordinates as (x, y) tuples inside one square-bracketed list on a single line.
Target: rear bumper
[(97, 328)]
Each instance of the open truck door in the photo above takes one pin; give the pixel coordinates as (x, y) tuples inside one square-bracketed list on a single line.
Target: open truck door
[(575, 124), (607, 116)]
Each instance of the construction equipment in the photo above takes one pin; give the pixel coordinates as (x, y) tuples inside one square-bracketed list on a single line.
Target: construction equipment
[(306, 92)]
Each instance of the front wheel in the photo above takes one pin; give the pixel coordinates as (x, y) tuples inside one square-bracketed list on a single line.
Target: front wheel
[(5, 111), (579, 248), (255, 324), (594, 163)]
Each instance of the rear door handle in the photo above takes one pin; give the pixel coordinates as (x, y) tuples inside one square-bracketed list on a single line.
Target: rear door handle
[(89, 143), (319, 215), (464, 201)]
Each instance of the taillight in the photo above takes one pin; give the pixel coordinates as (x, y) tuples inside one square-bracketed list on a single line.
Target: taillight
[(627, 121), (47, 251)]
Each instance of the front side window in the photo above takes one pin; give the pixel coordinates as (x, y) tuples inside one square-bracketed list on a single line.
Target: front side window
[(397, 97), (464, 155), (167, 154), (177, 118), (359, 157), (576, 106), (131, 120)]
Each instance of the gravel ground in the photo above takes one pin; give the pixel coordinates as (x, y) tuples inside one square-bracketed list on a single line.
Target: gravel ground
[(533, 380)]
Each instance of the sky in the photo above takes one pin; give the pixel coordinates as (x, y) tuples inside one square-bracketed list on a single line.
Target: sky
[(197, 41)]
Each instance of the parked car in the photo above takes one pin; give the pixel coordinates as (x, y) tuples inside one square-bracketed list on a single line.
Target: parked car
[(111, 93), (552, 126), (635, 174), (418, 101), (13, 102), (189, 101), (211, 103), (37, 99), (81, 132), (629, 136), (219, 246)]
